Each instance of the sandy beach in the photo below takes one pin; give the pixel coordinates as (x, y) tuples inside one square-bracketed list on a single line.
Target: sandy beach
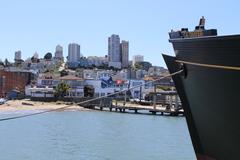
[(18, 105)]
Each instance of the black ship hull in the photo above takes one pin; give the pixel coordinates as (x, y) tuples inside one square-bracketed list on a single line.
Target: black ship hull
[(209, 89)]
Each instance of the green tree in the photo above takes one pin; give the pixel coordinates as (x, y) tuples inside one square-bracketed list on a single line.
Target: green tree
[(137, 66), (88, 91), (61, 89), (48, 56), (6, 63), (143, 65)]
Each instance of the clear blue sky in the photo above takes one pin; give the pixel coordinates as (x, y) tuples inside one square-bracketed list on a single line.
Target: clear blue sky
[(31, 26)]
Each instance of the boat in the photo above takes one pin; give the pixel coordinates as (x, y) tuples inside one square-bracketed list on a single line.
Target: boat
[(208, 88)]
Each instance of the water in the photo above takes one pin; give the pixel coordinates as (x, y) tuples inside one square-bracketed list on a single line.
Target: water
[(95, 136)]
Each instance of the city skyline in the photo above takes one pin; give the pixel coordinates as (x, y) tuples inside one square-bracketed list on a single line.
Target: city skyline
[(40, 26), (74, 53), (58, 53)]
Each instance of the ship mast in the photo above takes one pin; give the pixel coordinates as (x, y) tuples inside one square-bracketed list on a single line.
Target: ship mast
[(202, 23)]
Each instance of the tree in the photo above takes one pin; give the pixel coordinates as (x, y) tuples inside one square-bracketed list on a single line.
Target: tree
[(88, 91), (6, 63), (48, 56), (1, 63), (143, 65), (34, 60), (61, 89), (137, 66)]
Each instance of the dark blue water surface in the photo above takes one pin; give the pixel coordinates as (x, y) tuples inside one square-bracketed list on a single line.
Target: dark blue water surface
[(91, 135)]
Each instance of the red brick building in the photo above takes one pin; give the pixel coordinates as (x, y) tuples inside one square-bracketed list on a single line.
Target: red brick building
[(10, 80)]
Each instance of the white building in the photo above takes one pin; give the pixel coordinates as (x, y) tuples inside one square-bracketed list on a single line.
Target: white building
[(47, 80), (100, 91), (124, 53), (73, 52), (59, 52), (104, 74), (137, 58), (138, 92), (76, 85), (36, 92), (114, 51), (18, 55)]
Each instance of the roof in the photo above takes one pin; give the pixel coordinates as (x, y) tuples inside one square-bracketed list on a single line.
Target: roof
[(48, 76), (70, 77)]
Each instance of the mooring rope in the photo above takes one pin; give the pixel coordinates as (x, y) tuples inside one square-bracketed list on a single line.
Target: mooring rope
[(209, 65), (90, 100)]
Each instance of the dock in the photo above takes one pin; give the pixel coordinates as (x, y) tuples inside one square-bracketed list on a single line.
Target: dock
[(169, 107)]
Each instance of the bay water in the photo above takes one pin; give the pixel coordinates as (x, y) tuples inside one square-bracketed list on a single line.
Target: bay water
[(93, 135)]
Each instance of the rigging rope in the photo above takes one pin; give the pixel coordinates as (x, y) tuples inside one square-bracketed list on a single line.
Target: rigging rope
[(209, 65), (90, 100)]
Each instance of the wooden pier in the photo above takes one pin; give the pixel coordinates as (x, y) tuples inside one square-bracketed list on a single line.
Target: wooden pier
[(141, 109), (161, 108)]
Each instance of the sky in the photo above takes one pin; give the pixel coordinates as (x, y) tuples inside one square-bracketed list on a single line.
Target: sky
[(38, 26)]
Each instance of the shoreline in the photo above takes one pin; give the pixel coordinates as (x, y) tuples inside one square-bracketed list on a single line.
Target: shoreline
[(28, 105)]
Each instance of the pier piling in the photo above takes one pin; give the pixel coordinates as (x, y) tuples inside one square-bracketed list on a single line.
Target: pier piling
[(169, 106)]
